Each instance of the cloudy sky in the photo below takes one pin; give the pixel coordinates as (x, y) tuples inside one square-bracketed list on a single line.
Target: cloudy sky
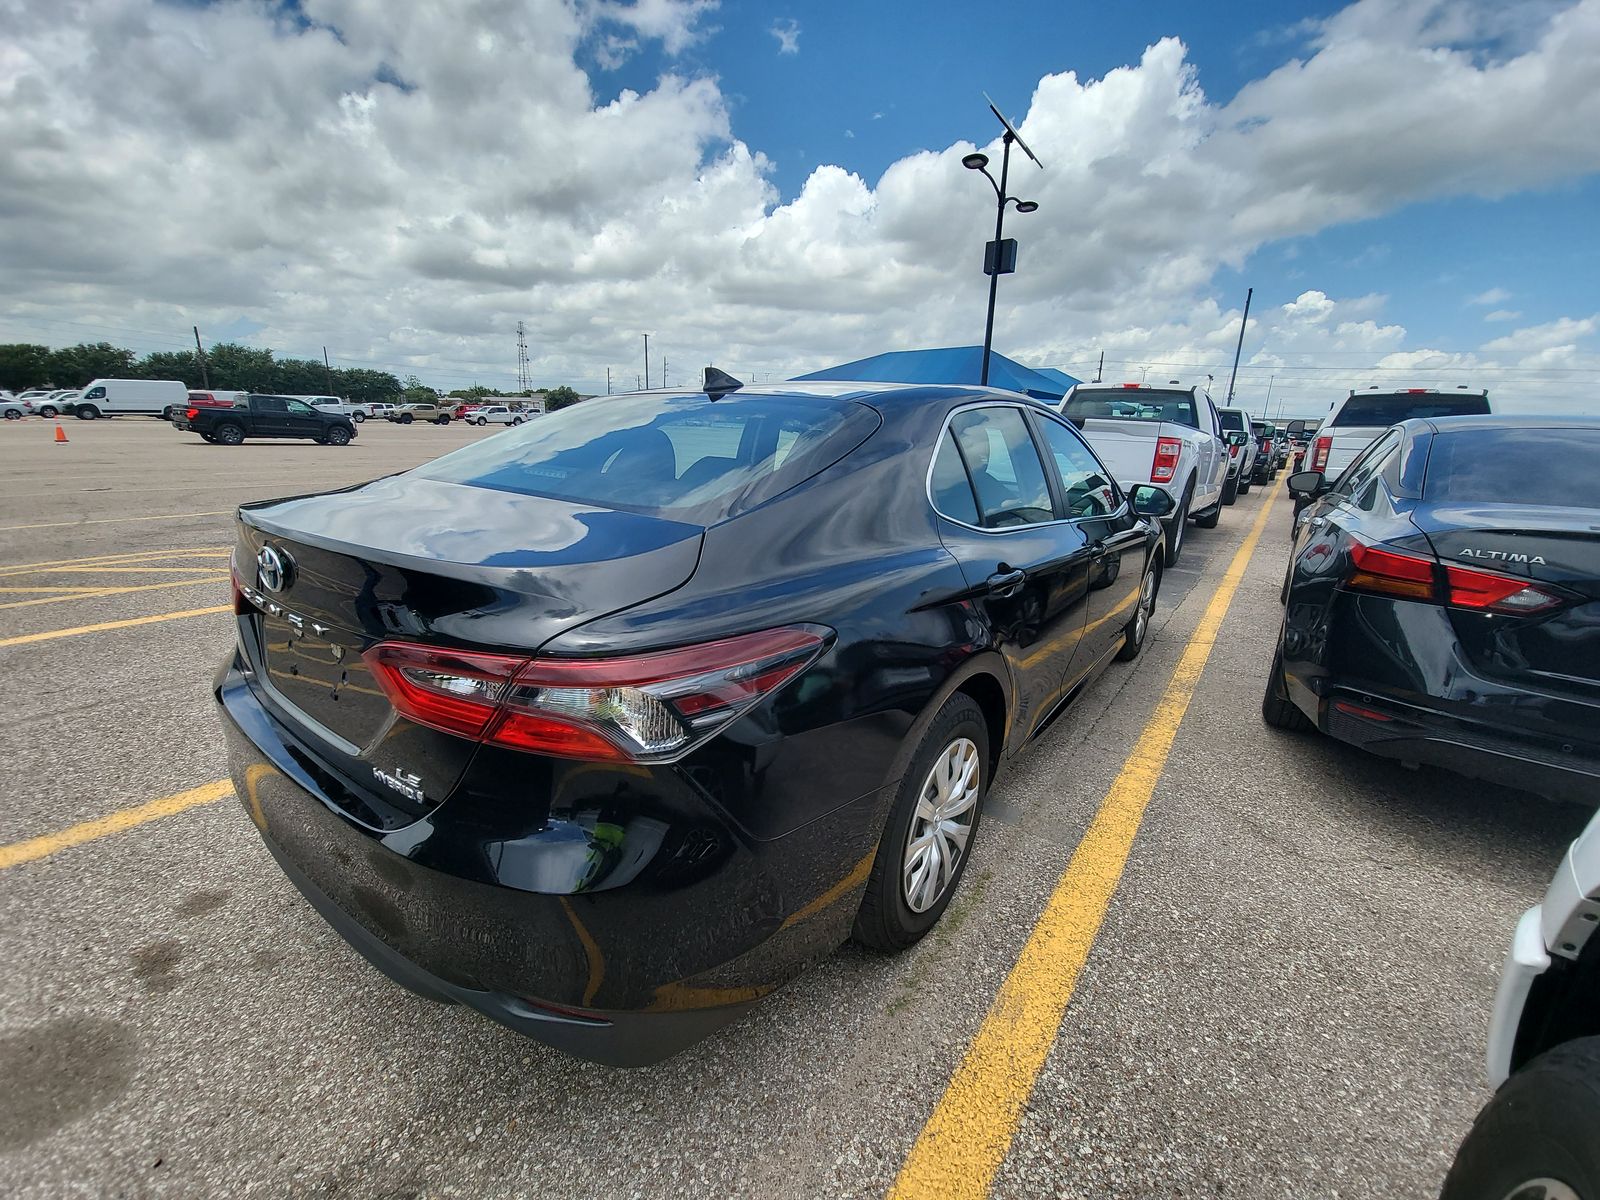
[(1410, 186)]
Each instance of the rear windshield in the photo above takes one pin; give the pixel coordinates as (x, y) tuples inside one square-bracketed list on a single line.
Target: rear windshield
[(1264, 430), (685, 457), (1232, 420), (1512, 466), (1133, 405), (1382, 409)]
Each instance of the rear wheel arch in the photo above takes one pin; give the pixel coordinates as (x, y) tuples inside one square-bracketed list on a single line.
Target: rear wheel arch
[(1562, 1006), (990, 697)]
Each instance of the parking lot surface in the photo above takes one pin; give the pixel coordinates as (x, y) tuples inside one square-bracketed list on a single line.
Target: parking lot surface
[(1287, 995)]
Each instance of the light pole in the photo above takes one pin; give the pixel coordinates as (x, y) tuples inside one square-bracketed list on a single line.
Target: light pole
[(1000, 257)]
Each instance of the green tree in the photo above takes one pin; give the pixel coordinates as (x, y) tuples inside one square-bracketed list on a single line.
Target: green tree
[(417, 392), (23, 365), (170, 364), (364, 386), (299, 377), (476, 392), (558, 398), (74, 366), (240, 368)]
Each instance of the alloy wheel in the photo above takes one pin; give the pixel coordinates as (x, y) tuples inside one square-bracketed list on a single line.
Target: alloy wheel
[(937, 839), (1147, 603), (1542, 1189)]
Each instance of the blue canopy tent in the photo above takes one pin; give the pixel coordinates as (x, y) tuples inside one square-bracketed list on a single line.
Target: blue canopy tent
[(952, 364)]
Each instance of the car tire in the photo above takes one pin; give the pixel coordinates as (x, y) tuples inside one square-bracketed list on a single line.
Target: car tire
[(406, 419), (480, 422), (1137, 629), (1277, 709), (444, 419), (227, 434), (336, 436), (957, 738), (86, 412), (516, 420), (49, 410), (358, 417), (1542, 1126), (13, 414), (1178, 525), (1230, 489), (1209, 518)]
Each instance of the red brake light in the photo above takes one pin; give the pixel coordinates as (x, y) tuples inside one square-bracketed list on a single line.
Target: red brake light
[(1390, 573), (1165, 464), (1490, 591), (1134, 386), (1416, 391), (191, 413), (1319, 455), (641, 708)]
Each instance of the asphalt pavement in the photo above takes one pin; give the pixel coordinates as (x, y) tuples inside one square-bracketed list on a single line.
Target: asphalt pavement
[(1288, 994)]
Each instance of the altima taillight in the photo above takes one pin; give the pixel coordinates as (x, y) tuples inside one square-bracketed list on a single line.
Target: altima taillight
[(1412, 577), (1319, 455), (640, 708), (1165, 465)]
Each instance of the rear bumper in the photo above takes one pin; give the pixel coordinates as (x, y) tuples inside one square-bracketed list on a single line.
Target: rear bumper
[(686, 925)]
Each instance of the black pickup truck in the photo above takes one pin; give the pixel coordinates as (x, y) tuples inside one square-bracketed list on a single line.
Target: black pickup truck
[(265, 417)]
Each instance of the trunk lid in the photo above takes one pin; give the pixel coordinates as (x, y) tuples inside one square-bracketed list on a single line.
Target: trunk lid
[(1557, 650), (443, 564)]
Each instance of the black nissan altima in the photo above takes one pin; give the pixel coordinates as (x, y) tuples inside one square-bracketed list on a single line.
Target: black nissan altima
[(609, 724), (1443, 602)]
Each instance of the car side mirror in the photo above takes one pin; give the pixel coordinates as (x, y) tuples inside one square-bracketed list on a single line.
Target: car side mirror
[(1308, 485), (1149, 501), (1238, 439)]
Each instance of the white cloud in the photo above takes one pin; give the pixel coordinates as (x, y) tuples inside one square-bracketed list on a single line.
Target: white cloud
[(1564, 332), (412, 226), (1495, 295), (1502, 314), (787, 31)]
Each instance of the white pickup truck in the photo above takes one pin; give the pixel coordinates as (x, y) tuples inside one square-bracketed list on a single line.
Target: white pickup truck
[(1354, 423), (1167, 436)]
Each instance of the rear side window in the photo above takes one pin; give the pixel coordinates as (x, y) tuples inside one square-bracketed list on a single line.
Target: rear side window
[(1390, 408), (1520, 466), (274, 404), (687, 457), (1134, 405), (952, 490), (1003, 464)]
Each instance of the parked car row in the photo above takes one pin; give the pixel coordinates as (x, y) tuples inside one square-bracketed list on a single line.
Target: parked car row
[(1442, 606)]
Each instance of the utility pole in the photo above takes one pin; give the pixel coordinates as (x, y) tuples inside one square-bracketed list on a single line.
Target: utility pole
[(646, 360), (1101, 369), (524, 373), (608, 381), (1237, 350), (663, 371), (638, 386), (205, 379), (1267, 403), (327, 369)]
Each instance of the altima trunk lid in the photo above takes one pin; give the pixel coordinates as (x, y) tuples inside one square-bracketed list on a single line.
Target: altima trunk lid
[(1555, 548), (444, 564)]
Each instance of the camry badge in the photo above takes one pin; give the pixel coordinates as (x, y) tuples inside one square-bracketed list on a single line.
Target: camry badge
[(275, 568)]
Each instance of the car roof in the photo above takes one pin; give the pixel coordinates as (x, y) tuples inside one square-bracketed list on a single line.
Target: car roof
[(879, 395), (1500, 421)]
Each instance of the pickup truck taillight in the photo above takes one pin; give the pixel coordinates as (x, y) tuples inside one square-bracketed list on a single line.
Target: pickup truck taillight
[(1319, 456), (191, 413), (1165, 465)]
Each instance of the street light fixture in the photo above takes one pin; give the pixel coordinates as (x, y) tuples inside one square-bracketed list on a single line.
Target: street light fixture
[(1001, 256)]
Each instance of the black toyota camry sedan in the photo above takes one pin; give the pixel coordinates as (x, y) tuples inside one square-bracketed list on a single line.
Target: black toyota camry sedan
[(609, 724), (1443, 602)]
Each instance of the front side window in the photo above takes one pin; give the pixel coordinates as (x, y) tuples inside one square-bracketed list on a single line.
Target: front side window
[(1088, 489), (96, 393), (1232, 420), (1003, 464), (299, 408)]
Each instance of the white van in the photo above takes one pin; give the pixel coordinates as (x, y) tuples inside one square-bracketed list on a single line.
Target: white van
[(120, 397)]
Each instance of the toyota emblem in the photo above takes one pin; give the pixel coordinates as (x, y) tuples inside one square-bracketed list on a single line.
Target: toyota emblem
[(274, 568)]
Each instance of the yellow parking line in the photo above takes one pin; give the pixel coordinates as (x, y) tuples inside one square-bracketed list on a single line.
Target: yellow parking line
[(81, 591), (971, 1128), (123, 819), (24, 639), (132, 556), (96, 593), (119, 570), (218, 512)]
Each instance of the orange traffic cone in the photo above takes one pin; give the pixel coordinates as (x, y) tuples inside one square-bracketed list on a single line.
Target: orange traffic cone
[(61, 434)]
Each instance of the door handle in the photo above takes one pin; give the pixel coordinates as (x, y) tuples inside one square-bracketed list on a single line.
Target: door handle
[(1003, 585), (1097, 549), (1316, 522)]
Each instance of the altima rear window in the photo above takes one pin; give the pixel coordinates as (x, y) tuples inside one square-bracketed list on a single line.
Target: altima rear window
[(687, 457), (1382, 409), (1132, 405), (1513, 466)]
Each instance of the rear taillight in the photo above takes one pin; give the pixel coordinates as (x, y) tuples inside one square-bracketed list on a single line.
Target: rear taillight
[(240, 604), (1165, 465), (1233, 451), (1490, 591), (1412, 577), (1390, 573), (1319, 455), (191, 413), (642, 708)]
